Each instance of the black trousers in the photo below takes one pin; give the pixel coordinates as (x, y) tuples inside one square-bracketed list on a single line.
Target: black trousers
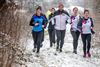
[(37, 37), (42, 36), (75, 35), (60, 38), (51, 36), (86, 38)]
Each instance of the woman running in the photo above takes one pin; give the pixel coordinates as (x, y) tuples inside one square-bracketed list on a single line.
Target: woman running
[(38, 24), (86, 27), (74, 30), (51, 29)]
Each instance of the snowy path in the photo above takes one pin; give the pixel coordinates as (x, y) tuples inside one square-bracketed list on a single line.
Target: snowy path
[(64, 59)]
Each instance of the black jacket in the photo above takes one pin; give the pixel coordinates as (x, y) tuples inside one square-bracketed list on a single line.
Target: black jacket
[(51, 26)]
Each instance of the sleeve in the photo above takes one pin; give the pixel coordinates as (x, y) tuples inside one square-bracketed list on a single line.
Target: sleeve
[(54, 17), (67, 13), (31, 21), (80, 24), (45, 21), (69, 20), (92, 24), (49, 18), (67, 16), (66, 21), (79, 19)]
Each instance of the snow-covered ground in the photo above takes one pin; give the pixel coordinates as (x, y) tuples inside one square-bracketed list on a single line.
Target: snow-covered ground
[(48, 58)]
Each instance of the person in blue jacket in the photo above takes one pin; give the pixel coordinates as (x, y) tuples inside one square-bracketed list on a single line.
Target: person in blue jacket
[(38, 23)]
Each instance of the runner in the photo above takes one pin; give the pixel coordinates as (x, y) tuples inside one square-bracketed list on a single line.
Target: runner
[(86, 27), (51, 29), (60, 17), (74, 30), (38, 24)]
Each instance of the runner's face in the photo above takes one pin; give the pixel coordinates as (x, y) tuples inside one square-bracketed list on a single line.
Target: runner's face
[(75, 11), (86, 14), (38, 12), (61, 7), (52, 11)]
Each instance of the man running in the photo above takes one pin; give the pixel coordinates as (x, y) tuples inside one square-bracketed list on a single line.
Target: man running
[(60, 17)]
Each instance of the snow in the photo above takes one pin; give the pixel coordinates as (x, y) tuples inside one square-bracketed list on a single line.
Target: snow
[(47, 57)]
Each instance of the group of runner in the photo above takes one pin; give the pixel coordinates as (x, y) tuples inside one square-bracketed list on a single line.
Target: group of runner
[(57, 21)]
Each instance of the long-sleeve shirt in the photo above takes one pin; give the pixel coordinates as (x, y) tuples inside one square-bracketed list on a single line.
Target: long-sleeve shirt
[(51, 21), (60, 18), (74, 20), (37, 19), (85, 25)]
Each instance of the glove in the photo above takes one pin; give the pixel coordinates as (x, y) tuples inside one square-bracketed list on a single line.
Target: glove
[(92, 31)]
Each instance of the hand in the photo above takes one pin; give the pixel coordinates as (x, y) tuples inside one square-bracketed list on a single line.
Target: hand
[(36, 24), (83, 27), (43, 26), (92, 31)]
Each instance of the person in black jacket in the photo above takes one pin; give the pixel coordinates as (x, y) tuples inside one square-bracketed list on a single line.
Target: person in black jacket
[(51, 29)]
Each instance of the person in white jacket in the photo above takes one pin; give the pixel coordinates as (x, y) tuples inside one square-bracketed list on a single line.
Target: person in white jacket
[(86, 25), (60, 17), (74, 20)]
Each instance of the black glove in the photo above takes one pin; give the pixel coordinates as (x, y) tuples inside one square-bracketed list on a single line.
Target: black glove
[(92, 31)]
